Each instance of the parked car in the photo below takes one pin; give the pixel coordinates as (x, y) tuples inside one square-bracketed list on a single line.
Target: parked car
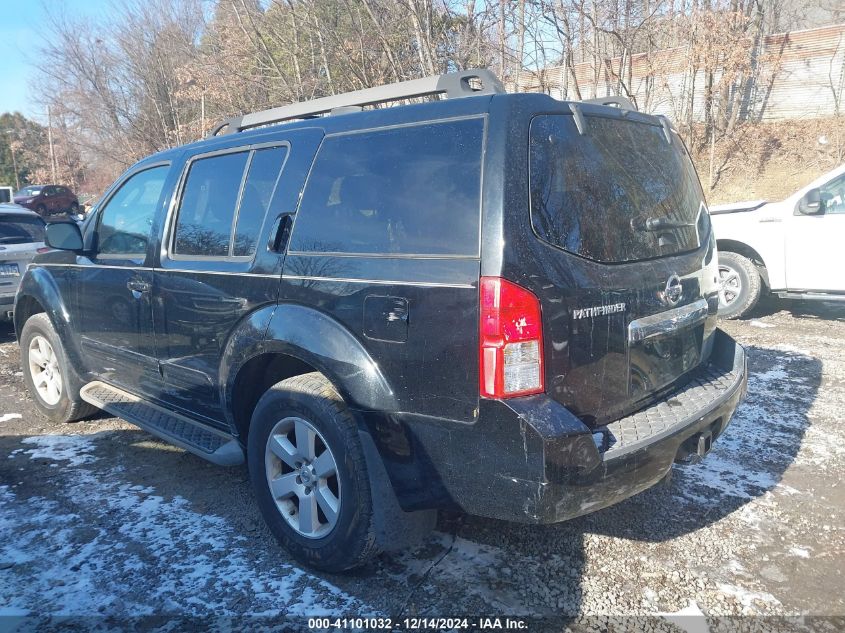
[(48, 199), (21, 237), (383, 316), (791, 248), (6, 195)]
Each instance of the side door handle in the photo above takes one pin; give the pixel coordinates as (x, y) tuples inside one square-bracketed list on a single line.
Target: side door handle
[(279, 236), (138, 287)]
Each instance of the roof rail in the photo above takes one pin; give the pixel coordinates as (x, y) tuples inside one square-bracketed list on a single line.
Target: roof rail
[(465, 83), (613, 100)]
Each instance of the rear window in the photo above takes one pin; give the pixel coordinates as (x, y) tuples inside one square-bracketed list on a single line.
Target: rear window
[(617, 193), (411, 190), (21, 230)]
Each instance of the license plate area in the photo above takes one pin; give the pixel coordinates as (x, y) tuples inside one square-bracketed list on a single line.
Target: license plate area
[(663, 347), (657, 361), (9, 269)]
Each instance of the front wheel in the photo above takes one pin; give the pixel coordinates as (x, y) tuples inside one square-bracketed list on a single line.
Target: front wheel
[(309, 473), (47, 374), (739, 285)]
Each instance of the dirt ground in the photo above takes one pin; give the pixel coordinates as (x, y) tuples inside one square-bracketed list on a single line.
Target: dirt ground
[(98, 518), (770, 160)]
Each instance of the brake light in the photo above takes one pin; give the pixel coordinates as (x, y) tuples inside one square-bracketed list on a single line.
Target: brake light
[(510, 340), (43, 249)]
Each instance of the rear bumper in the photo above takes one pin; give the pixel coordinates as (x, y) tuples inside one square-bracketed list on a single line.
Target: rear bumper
[(530, 460), (7, 305)]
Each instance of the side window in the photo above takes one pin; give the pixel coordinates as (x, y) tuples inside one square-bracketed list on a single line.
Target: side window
[(833, 195), (127, 218), (264, 170), (207, 209), (411, 190)]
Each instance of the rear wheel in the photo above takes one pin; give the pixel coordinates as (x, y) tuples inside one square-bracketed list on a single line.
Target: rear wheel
[(47, 374), (740, 285), (309, 474)]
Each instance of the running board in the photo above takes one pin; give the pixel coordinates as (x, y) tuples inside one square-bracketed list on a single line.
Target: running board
[(215, 446), (810, 296)]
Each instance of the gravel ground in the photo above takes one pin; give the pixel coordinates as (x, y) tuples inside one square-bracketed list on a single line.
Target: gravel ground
[(100, 518)]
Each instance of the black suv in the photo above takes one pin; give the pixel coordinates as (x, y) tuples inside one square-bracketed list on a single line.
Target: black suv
[(497, 303)]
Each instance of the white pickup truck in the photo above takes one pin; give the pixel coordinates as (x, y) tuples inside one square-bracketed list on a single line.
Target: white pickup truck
[(794, 248)]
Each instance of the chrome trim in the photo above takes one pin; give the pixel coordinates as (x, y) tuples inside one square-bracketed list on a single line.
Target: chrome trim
[(668, 321)]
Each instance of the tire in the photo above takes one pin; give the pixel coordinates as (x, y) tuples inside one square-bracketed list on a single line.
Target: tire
[(283, 417), (55, 393), (740, 285)]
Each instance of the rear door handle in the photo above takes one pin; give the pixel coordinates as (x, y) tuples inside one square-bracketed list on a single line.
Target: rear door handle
[(138, 287), (279, 237)]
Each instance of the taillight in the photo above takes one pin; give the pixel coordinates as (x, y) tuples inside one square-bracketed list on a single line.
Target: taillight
[(511, 340), (43, 249)]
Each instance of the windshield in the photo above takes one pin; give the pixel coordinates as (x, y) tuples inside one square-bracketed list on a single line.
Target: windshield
[(617, 193), (21, 230), (29, 191)]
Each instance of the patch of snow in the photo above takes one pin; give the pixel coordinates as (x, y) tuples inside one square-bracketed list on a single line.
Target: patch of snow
[(10, 416), (761, 324), (800, 552), (75, 449), (81, 562), (746, 598)]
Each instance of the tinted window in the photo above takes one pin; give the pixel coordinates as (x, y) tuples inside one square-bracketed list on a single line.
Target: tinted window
[(408, 190), (20, 229), (260, 184), (207, 210), (127, 219), (617, 193)]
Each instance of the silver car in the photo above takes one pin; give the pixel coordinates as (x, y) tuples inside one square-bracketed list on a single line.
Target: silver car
[(21, 237)]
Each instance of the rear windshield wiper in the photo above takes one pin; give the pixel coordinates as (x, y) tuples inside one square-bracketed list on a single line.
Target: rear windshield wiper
[(658, 224)]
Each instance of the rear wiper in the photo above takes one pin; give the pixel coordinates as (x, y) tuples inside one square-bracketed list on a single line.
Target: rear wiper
[(658, 224)]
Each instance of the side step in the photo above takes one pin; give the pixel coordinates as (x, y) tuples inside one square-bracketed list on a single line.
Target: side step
[(215, 446), (811, 296)]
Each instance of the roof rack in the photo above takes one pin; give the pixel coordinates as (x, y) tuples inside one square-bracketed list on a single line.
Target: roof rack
[(613, 100), (466, 83)]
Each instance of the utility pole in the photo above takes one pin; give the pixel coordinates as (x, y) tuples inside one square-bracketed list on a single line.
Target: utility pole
[(50, 141), (14, 159)]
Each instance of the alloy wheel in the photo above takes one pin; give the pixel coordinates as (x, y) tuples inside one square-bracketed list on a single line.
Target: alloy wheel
[(44, 370), (730, 285), (302, 474)]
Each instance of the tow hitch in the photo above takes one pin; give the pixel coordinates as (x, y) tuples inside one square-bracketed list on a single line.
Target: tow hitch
[(695, 448)]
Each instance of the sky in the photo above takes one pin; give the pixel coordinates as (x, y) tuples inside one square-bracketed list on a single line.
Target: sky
[(19, 41)]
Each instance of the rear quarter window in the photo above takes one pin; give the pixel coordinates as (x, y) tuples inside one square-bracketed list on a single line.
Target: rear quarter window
[(411, 190)]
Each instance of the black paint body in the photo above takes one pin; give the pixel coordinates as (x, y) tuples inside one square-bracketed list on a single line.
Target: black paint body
[(398, 335)]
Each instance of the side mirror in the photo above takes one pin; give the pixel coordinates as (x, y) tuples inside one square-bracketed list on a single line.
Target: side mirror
[(811, 203), (64, 236)]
